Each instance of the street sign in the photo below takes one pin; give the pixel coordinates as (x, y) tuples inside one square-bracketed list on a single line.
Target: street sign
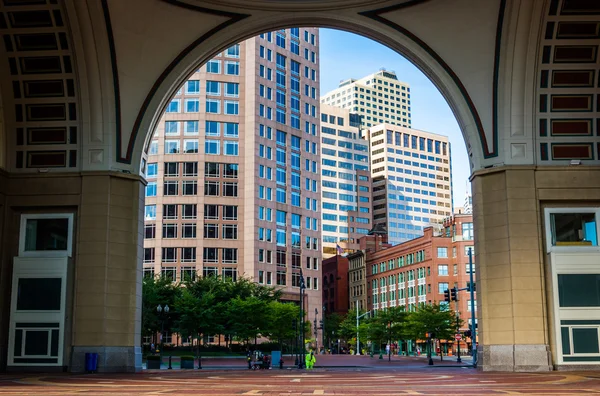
[(458, 337)]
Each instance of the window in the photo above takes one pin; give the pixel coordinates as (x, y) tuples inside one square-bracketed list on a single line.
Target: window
[(173, 106), (442, 252), (190, 187), (190, 169), (231, 129), (211, 231), (212, 147), (230, 148), (232, 89), (171, 187), (229, 273), (472, 248), (230, 212), (232, 68), (189, 273), (230, 189), (230, 255), (169, 255), (573, 227), (212, 128), (151, 189), (190, 146), (213, 106), (443, 270), (230, 171), (233, 51), (213, 88), (213, 66), (211, 212), (169, 212), (231, 107), (192, 105), (442, 287), (230, 231), (149, 255), (192, 87), (188, 230), (169, 231), (172, 146), (152, 170), (211, 188), (171, 128), (150, 231), (210, 255), (211, 169), (190, 127), (467, 231)]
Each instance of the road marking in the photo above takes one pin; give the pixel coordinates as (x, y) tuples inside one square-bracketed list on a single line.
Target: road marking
[(252, 392), (319, 392), (295, 380)]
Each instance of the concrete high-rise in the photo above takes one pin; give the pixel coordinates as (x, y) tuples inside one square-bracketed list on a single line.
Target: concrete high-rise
[(346, 182), (411, 176), (249, 202), (378, 98)]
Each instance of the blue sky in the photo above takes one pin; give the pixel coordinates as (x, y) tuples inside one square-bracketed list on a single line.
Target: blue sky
[(347, 55)]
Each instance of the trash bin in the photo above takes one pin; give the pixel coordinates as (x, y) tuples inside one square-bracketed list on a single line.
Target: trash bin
[(91, 362)]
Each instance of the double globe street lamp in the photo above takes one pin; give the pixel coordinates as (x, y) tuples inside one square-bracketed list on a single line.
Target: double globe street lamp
[(162, 313)]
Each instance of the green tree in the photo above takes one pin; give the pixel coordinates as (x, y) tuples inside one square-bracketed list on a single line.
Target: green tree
[(157, 291), (435, 319), (280, 321), (332, 325), (247, 317), (389, 325), (347, 329), (195, 313)]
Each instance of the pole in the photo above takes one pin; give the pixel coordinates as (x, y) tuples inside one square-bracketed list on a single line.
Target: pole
[(357, 339), (473, 327), (458, 359), (302, 347)]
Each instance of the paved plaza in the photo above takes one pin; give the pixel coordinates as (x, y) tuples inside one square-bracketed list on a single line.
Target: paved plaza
[(405, 376)]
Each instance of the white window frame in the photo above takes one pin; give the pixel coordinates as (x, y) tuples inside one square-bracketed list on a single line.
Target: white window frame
[(46, 253), (548, 226)]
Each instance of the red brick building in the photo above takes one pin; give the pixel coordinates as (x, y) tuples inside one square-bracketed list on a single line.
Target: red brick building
[(420, 270), (335, 285)]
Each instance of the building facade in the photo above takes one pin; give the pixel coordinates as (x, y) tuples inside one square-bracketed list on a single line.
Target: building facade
[(249, 203), (411, 176), (335, 285), (419, 271), (378, 98), (346, 182)]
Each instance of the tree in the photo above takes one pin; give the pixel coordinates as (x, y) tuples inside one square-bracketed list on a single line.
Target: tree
[(280, 321), (331, 326), (247, 317), (347, 329), (390, 325), (195, 313), (435, 319), (157, 291)]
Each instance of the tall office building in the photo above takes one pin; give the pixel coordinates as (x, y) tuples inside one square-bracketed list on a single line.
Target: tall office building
[(248, 203), (411, 180), (378, 98), (346, 181)]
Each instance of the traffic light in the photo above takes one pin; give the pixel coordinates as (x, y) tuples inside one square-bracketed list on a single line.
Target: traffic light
[(321, 324), (447, 295), (468, 333), (453, 291)]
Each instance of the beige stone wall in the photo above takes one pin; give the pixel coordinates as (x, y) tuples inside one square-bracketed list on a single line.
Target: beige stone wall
[(508, 219), (104, 304)]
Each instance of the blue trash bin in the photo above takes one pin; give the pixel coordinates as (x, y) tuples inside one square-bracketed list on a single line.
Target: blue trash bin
[(91, 362)]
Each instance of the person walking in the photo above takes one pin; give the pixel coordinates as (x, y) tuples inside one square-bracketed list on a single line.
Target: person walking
[(310, 360)]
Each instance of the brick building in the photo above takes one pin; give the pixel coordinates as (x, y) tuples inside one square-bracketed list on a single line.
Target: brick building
[(420, 270), (335, 285)]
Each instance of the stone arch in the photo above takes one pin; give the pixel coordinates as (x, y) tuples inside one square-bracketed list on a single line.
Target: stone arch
[(395, 38)]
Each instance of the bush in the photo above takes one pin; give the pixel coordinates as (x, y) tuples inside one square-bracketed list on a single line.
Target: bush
[(187, 357), (153, 357)]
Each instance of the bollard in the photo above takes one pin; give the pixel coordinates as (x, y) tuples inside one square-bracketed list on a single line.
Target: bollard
[(170, 367), (199, 363), (280, 364)]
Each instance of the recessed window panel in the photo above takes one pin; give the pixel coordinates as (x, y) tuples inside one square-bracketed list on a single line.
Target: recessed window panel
[(44, 234), (585, 340), (578, 290), (574, 229), (39, 294)]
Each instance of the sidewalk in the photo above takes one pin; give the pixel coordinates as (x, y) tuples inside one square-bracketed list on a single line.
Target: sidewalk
[(328, 361)]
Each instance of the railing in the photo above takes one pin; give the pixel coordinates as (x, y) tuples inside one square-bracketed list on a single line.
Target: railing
[(402, 301), (422, 299), (422, 281), (412, 300), (392, 287), (401, 285), (383, 289), (411, 283)]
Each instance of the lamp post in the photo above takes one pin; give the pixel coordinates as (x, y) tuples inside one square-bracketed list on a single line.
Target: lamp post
[(160, 311), (302, 357), (316, 331), (473, 324), (324, 334), (357, 334), (295, 323)]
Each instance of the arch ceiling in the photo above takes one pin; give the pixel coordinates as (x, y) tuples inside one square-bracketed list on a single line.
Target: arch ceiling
[(129, 58)]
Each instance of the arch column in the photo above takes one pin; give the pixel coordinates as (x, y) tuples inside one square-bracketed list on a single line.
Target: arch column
[(515, 331), (108, 280)]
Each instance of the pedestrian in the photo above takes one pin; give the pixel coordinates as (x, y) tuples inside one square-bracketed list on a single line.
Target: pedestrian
[(249, 358), (152, 348), (310, 360)]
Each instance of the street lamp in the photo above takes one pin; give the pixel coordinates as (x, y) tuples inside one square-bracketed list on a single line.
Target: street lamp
[(316, 331), (162, 316), (301, 322), (357, 335)]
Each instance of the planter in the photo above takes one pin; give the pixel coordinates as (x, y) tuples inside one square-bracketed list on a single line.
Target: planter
[(187, 364), (152, 364)]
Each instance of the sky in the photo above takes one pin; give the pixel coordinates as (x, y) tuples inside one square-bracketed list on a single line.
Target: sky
[(346, 55)]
